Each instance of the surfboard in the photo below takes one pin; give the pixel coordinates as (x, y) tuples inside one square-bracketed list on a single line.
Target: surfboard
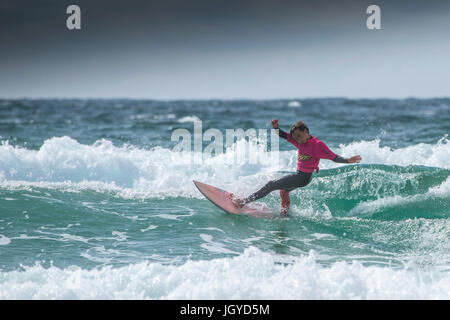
[(222, 199)]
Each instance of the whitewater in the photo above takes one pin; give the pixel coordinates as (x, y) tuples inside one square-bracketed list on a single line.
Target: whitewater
[(100, 206)]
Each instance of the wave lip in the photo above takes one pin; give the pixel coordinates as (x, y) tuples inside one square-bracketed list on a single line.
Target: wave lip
[(422, 154), (64, 159), (137, 172)]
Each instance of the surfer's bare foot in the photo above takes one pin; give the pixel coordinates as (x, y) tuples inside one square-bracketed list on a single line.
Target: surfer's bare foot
[(238, 202)]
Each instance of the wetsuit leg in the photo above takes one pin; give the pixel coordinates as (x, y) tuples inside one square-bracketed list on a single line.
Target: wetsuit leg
[(288, 183)]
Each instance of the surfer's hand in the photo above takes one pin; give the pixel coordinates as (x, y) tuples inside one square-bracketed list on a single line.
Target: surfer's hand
[(275, 123), (354, 159)]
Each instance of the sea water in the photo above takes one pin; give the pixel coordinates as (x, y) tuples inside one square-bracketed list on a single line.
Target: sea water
[(96, 204)]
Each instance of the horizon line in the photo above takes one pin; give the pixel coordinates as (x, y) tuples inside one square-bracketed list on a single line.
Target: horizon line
[(225, 99)]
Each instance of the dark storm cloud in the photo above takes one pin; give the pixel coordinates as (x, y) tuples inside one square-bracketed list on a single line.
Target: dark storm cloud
[(120, 38), (172, 23), (40, 25), (178, 23)]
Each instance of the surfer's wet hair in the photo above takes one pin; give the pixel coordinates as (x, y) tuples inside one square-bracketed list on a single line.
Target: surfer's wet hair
[(300, 126)]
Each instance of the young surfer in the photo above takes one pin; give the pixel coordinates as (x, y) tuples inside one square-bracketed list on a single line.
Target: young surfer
[(310, 151)]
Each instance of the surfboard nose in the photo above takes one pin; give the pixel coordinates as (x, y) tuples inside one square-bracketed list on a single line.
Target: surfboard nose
[(199, 184)]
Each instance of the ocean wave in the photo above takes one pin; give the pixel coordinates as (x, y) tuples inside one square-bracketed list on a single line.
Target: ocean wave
[(422, 154), (129, 171), (294, 104), (436, 199), (252, 275), (188, 119)]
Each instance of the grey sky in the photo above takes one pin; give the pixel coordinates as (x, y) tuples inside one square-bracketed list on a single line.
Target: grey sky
[(174, 49)]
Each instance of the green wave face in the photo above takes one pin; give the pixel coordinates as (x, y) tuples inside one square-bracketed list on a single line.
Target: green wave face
[(376, 214), (381, 192)]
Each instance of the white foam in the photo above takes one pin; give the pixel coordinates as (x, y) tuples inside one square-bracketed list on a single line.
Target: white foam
[(150, 227), (430, 155), (121, 236), (213, 246), (443, 190), (294, 104), (65, 164), (4, 240), (189, 119), (251, 275)]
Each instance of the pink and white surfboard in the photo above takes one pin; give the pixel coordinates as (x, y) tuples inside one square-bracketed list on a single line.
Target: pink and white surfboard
[(222, 199)]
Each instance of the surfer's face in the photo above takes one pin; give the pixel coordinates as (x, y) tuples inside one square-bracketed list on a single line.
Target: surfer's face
[(300, 136)]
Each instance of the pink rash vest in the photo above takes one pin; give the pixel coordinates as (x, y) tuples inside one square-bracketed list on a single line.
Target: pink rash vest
[(310, 153)]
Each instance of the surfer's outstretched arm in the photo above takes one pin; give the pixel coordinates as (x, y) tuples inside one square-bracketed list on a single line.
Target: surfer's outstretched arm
[(339, 159), (324, 152), (353, 159)]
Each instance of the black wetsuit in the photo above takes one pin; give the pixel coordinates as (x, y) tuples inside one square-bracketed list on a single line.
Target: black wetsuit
[(289, 182)]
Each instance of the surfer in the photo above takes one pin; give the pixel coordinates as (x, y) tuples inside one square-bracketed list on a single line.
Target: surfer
[(310, 151)]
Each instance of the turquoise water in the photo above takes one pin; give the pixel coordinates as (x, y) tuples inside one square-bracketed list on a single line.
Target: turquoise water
[(96, 204)]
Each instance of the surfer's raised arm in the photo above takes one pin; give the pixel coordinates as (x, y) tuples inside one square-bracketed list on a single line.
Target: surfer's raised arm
[(280, 132)]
